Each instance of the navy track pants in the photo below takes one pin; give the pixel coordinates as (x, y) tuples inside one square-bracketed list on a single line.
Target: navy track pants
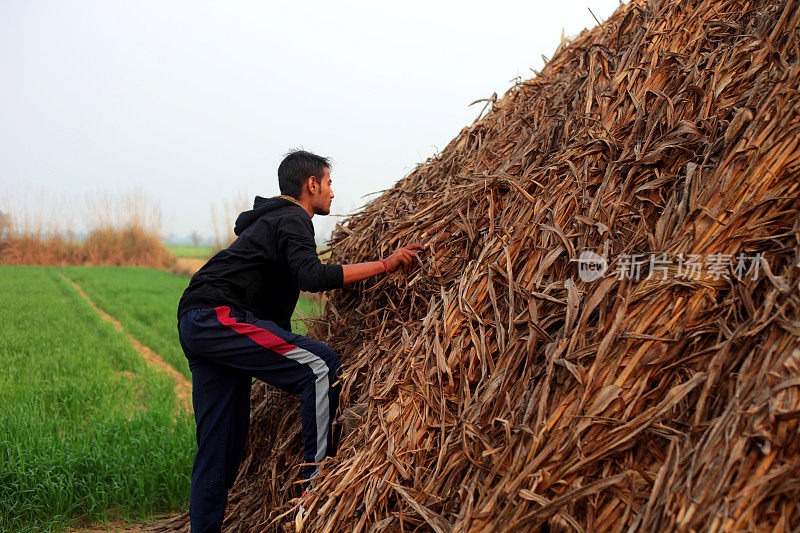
[(225, 348)]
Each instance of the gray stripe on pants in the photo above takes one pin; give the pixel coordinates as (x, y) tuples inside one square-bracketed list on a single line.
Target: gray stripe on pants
[(321, 386)]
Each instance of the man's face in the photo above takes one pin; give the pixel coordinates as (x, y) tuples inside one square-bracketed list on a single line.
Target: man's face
[(324, 194)]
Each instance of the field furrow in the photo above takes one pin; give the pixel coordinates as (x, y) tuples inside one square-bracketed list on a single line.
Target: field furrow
[(183, 387), (143, 300)]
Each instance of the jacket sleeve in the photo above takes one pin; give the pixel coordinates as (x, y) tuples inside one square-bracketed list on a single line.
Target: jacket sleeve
[(296, 243)]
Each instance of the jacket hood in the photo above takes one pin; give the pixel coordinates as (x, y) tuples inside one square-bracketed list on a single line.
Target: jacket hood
[(261, 206)]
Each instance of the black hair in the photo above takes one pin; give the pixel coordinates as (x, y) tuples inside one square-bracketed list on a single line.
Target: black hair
[(297, 166)]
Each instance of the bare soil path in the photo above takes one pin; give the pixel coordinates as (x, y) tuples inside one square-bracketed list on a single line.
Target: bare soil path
[(110, 528), (183, 387), (127, 527)]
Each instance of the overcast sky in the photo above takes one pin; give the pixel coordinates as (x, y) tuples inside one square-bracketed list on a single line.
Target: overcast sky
[(196, 102)]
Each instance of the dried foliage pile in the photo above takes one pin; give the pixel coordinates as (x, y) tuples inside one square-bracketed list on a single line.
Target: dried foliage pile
[(502, 392)]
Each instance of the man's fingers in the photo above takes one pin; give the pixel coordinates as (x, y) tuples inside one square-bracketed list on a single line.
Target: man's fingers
[(406, 255), (409, 261), (412, 250), (414, 247)]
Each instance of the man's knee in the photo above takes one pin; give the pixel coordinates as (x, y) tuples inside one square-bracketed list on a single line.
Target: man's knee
[(332, 359), (334, 365), (326, 353)]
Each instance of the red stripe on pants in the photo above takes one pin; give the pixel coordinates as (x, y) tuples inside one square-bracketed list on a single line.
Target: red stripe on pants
[(264, 337)]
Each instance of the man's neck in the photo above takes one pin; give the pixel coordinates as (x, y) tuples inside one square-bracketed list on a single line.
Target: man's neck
[(303, 202)]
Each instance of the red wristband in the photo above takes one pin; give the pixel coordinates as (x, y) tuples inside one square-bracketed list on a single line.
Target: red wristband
[(386, 268)]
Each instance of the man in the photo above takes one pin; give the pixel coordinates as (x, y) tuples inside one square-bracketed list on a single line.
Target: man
[(234, 324)]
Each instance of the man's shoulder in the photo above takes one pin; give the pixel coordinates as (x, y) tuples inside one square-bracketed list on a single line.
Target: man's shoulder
[(284, 215), (293, 216), (287, 211)]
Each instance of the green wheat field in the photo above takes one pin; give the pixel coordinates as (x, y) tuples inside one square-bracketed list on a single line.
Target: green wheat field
[(88, 432)]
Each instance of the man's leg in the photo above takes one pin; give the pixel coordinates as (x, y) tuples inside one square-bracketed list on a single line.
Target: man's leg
[(221, 400), (319, 396), (293, 363), (281, 358)]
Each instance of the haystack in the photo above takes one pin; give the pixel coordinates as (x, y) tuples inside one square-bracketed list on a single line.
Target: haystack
[(505, 386)]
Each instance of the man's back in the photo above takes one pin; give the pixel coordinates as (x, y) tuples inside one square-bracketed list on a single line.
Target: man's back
[(264, 269)]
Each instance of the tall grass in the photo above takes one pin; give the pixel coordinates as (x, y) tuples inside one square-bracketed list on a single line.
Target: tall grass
[(87, 430), (122, 230), (223, 217)]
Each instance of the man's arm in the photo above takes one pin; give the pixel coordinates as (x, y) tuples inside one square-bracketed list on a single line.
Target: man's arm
[(296, 243), (403, 256)]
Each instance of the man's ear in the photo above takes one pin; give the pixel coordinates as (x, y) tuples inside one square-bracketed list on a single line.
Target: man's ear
[(312, 184)]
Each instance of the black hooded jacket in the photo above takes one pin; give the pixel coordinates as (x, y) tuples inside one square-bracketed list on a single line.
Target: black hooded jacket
[(266, 267)]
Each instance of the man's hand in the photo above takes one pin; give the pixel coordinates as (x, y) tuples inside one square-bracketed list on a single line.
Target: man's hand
[(405, 255)]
